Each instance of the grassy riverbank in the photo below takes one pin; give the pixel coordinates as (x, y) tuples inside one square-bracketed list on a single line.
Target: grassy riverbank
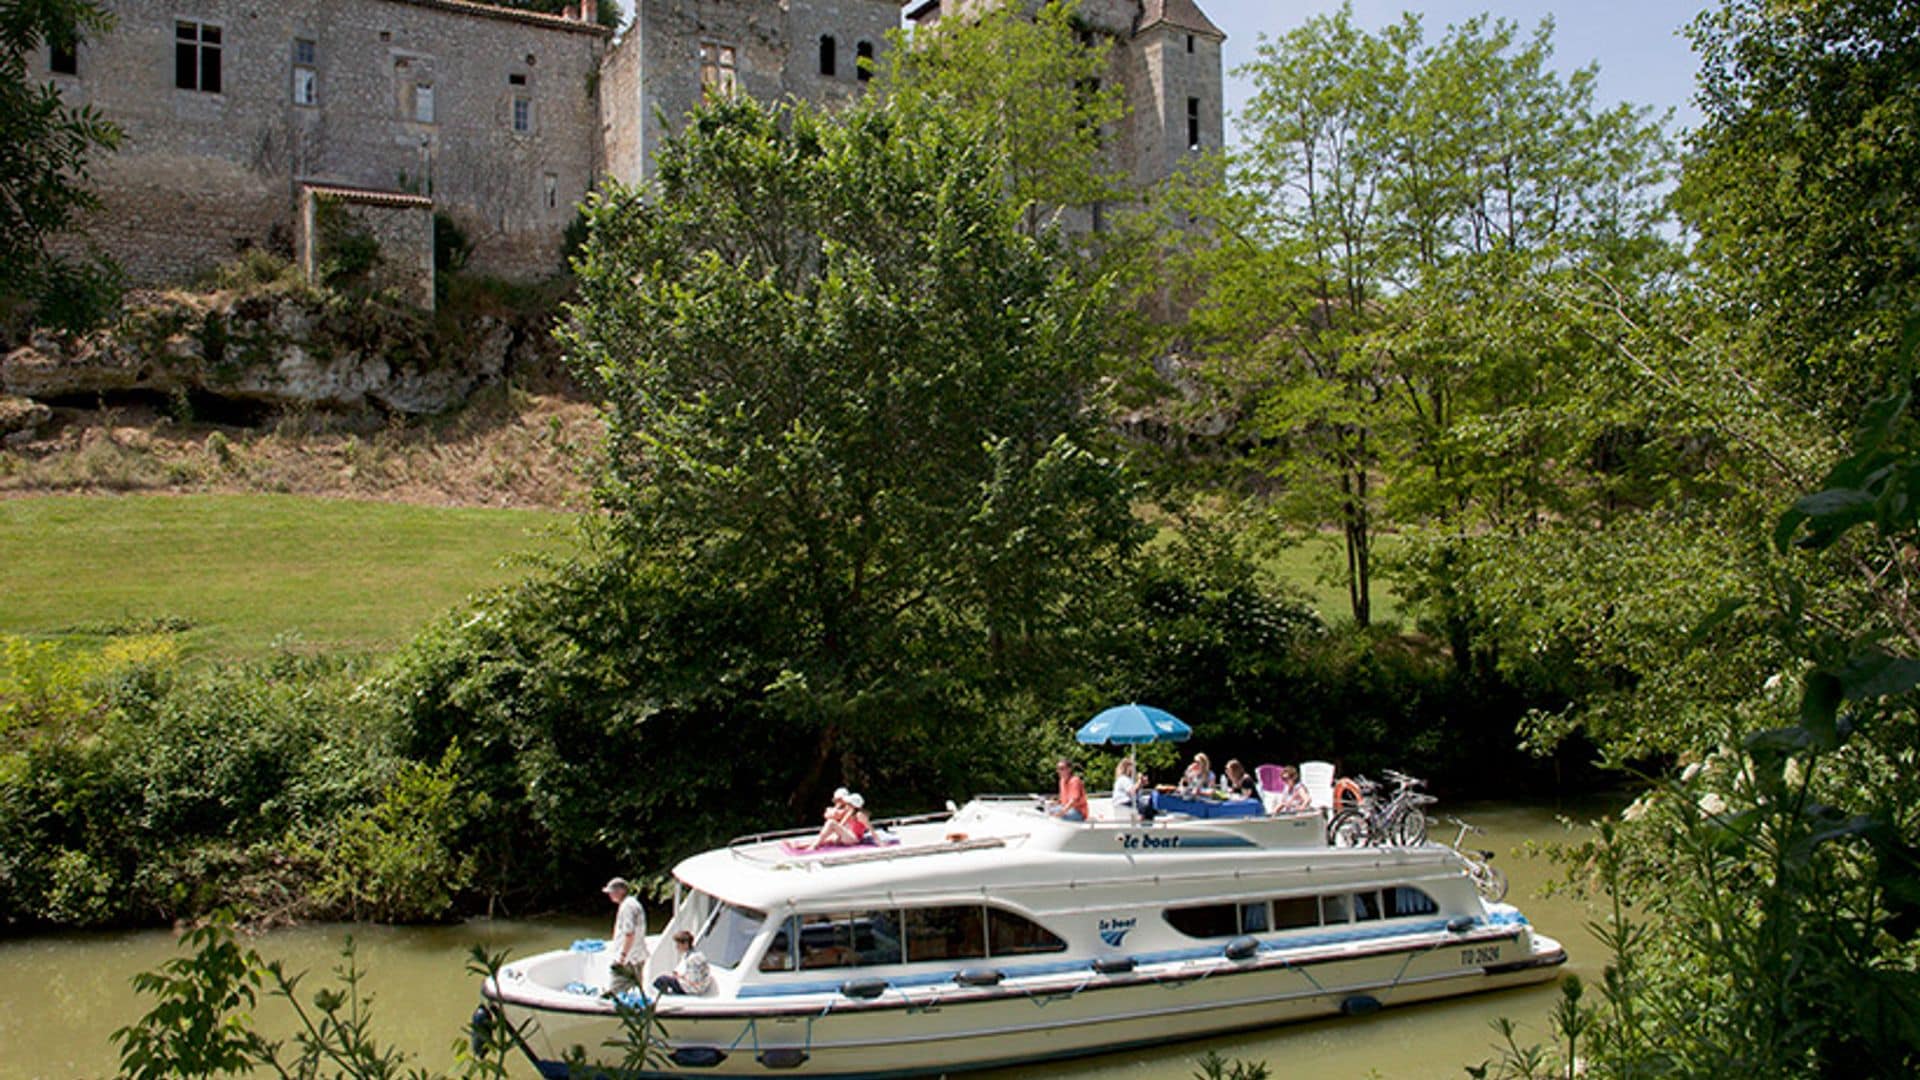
[(239, 572)]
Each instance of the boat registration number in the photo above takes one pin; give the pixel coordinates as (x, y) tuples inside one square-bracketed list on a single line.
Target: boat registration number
[(1482, 954)]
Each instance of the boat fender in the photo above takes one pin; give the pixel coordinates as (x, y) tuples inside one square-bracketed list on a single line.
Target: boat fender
[(784, 1057), (1360, 1005), (1113, 965), (865, 989), (1461, 924), (480, 1030), (979, 977), (698, 1057), (1242, 948), (1346, 794)]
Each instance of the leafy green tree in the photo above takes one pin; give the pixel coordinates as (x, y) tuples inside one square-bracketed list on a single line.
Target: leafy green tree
[(45, 145), (1376, 302), (1803, 188), (1032, 88), (851, 406)]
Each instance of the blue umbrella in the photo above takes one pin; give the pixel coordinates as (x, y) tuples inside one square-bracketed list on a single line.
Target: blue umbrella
[(1128, 724)]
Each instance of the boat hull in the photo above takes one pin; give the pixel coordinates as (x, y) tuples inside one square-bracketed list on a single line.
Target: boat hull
[(930, 1030)]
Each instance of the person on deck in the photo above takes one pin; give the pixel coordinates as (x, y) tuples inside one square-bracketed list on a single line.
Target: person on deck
[(1239, 783), (629, 945), (1126, 782), (1199, 778), (1293, 794), (1071, 801), (846, 829), (692, 975)]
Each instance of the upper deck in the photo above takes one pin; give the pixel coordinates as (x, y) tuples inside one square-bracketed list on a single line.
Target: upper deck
[(1001, 843)]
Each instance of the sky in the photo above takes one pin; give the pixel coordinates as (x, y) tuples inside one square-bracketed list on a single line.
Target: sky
[(1643, 58)]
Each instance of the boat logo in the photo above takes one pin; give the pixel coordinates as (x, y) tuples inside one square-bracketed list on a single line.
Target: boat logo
[(1114, 931)]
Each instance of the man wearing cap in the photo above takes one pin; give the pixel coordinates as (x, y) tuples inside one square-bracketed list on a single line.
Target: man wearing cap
[(629, 945)]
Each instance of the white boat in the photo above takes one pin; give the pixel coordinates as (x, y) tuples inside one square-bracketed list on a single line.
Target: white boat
[(996, 935)]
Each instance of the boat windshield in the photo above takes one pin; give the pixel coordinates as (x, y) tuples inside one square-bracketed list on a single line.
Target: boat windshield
[(728, 931)]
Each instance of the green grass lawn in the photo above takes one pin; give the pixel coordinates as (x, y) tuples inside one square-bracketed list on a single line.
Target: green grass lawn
[(242, 571), (1305, 565)]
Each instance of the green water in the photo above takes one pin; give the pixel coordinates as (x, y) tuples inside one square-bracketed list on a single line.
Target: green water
[(61, 996)]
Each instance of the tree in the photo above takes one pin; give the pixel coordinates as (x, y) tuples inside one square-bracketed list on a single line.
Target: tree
[(1385, 252), (851, 406), (44, 149), (1803, 186), (1033, 89)]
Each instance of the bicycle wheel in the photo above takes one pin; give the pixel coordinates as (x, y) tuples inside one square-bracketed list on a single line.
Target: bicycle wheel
[(1348, 829), (1492, 882), (1408, 827)]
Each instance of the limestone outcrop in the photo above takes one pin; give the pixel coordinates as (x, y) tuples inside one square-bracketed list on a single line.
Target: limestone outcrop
[(290, 348)]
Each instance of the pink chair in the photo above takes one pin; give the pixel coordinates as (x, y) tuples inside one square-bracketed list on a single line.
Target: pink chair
[(1269, 777)]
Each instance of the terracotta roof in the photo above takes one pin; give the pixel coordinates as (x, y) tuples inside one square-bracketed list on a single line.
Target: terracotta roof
[(369, 195), (1184, 14), (495, 11)]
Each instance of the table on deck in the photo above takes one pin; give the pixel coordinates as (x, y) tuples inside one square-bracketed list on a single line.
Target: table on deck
[(1201, 806)]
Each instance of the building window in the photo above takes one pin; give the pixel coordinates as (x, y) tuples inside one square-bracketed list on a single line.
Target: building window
[(863, 61), (829, 60), (1189, 42), (306, 77), (522, 114), (423, 102), (717, 73), (1193, 123), (553, 201), (63, 58), (196, 56), (516, 80)]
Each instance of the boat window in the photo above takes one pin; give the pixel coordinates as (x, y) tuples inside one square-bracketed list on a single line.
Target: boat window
[(1335, 909), (1009, 934), (1205, 921), (876, 937), (1366, 906), (1407, 900), (731, 929), (847, 939), (946, 933), (1253, 918), (779, 954), (1294, 912)]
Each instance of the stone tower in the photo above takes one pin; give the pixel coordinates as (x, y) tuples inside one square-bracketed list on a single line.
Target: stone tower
[(1166, 57), (677, 51)]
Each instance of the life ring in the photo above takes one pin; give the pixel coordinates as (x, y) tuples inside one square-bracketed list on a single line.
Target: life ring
[(1342, 788)]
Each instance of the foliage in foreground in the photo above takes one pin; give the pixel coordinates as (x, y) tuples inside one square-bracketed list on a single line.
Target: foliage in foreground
[(44, 150)]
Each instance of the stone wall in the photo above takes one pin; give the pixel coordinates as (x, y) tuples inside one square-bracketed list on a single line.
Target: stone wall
[(397, 95), (399, 227)]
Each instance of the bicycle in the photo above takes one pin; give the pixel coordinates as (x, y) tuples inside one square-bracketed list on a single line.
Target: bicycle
[(1398, 820), (1489, 880)]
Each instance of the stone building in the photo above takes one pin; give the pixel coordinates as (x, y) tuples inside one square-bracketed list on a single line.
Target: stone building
[(247, 121), (1165, 56), (233, 108)]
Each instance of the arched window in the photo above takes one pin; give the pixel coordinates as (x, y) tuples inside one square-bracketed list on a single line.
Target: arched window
[(829, 58), (863, 60)]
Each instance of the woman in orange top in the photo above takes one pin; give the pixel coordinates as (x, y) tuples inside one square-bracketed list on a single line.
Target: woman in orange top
[(1071, 805)]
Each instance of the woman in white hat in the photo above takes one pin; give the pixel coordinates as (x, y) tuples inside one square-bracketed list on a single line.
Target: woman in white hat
[(848, 829)]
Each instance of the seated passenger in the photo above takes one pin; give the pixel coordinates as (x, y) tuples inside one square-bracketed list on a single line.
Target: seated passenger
[(1292, 793), (1199, 778), (1126, 781), (844, 828), (692, 975), (1239, 783), (1071, 803)]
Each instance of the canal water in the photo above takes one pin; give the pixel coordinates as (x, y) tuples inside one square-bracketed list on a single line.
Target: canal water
[(62, 995)]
